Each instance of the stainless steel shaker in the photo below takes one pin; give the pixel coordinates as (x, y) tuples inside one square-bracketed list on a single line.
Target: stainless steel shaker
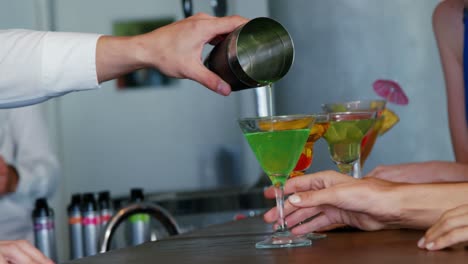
[(256, 54)]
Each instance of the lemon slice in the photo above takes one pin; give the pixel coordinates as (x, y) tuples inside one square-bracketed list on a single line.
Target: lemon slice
[(390, 119)]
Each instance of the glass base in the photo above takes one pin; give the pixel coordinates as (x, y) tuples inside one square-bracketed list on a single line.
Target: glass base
[(284, 240), (315, 236)]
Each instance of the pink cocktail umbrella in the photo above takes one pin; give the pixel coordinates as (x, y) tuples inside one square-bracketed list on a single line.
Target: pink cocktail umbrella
[(391, 91)]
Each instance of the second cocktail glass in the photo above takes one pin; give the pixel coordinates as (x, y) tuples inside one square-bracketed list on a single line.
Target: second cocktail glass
[(277, 142), (369, 139), (318, 130), (344, 136)]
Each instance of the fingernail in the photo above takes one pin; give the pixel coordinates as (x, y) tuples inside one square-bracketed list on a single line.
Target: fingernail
[(294, 199), (430, 245), (223, 88), (421, 242)]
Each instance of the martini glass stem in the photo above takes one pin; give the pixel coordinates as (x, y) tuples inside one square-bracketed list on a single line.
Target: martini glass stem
[(357, 169), (279, 193), (346, 168)]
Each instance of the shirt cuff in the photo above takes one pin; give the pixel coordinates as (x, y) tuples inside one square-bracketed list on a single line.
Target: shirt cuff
[(69, 62)]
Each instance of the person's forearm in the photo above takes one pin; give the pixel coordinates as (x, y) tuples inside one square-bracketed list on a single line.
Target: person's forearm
[(423, 172), (116, 56), (451, 171), (440, 171), (421, 205)]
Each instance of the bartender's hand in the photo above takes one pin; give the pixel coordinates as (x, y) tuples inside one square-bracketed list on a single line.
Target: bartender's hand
[(8, 177), (336, 198), (449, 230), (21, 252), (175, 50)]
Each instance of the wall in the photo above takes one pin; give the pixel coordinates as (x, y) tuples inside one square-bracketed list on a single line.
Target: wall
[(342, 46)]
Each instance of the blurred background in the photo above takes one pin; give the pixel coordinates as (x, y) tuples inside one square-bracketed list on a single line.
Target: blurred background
[(182, 137)]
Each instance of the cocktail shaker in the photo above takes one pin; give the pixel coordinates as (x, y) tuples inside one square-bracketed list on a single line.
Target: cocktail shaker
[(75, 227), (256, 54), (44, 229)]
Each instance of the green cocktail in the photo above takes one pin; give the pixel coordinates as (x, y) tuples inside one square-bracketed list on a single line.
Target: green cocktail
[(344, 138), (278, 151), (277, 143)]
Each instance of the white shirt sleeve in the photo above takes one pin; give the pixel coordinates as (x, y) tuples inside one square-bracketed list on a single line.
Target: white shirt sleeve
[(32, 153), (37, 65)]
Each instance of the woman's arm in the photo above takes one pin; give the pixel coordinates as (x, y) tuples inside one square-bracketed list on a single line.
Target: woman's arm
[(449, 31), (368, 204), (422, 172), (421, 205)]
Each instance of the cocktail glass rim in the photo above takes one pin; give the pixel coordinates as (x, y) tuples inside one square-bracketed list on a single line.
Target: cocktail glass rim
[(370, 112), (275, 117), (383, 102)]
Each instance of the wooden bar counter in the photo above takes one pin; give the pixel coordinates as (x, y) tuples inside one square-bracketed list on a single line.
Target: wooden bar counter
[(234, 242)]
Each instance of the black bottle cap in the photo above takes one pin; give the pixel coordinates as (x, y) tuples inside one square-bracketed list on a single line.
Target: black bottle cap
[(136, 195), (89, 202), (75, 203), (41, 208), (104, 196), (76, 199), (104, 200), (117, 204)]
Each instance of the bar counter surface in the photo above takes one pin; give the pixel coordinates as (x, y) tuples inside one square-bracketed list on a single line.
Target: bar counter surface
[(234, 242)]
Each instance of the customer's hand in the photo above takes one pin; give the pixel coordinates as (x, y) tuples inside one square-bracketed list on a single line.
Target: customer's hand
[(336, 198), (8, 177), (175, 49), (21, 252), (449, 230)]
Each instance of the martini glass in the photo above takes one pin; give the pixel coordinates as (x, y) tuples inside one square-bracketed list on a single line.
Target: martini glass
[(369, 139), (344, 136), (277, 142), (318, 130), (305, 160)]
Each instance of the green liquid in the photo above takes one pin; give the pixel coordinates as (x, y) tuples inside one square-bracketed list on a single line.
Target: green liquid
[(344, 139), (278, 151), (270, 99)]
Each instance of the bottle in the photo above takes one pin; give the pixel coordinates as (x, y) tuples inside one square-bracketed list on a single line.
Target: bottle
[(105, 209), (90, 224), (75, 227), (139, 223), (44, 229)]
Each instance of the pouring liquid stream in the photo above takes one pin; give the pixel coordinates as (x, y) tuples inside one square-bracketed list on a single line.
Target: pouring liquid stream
[(270, 99)]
